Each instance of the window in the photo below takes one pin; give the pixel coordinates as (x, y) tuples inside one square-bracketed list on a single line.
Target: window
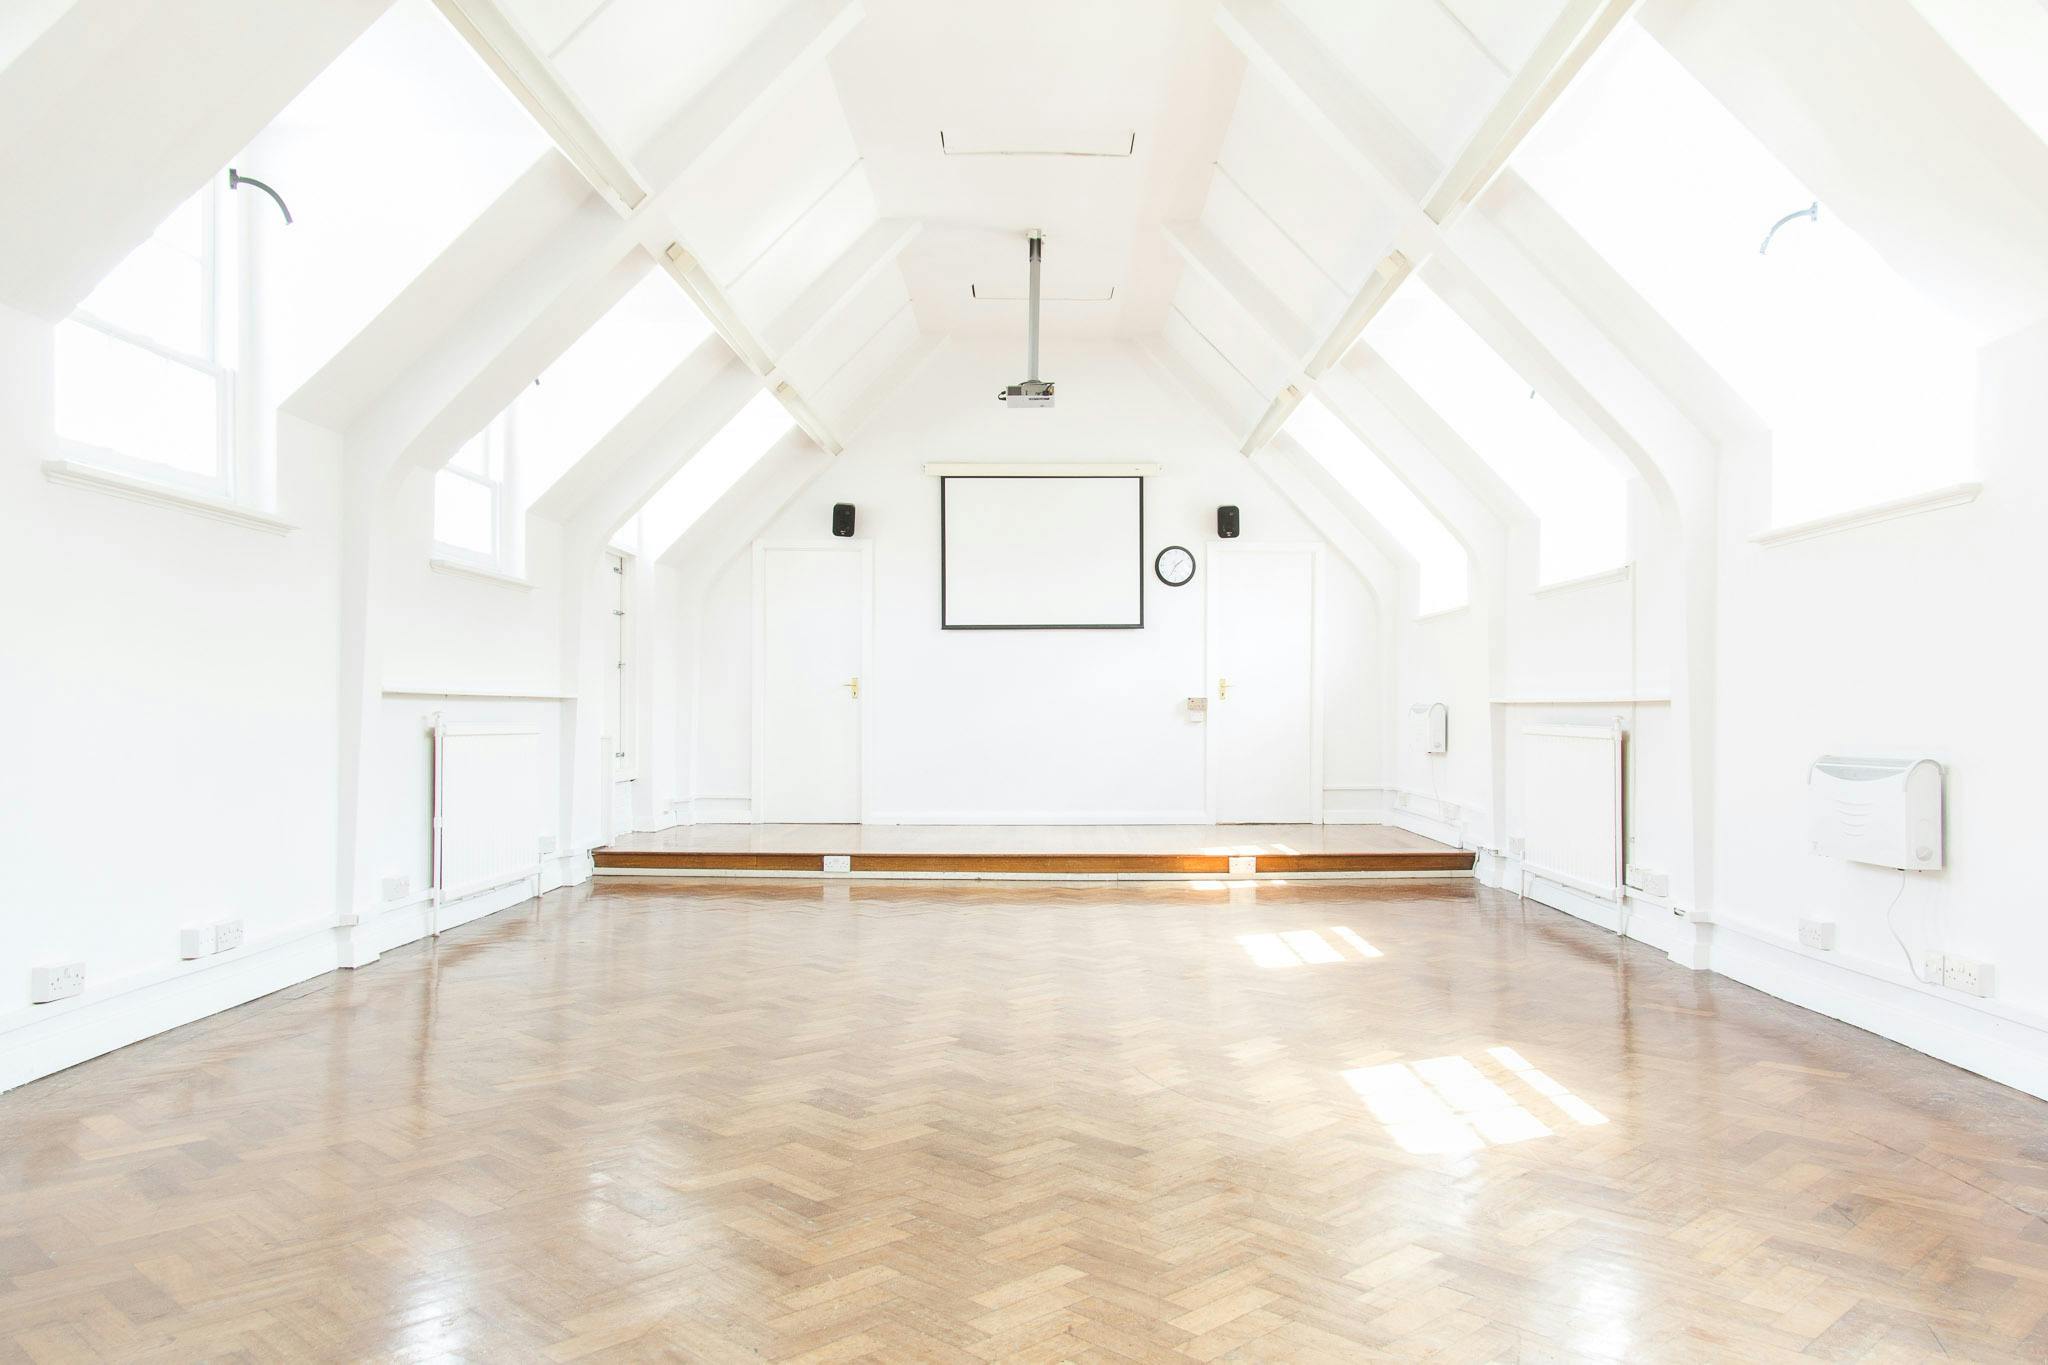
[(1578, 497), (145, 378), (711, 472), (598, 379), (1866, 388), (1437, 553), (470, 503)]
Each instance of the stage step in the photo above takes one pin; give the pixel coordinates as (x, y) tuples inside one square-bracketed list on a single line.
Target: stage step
[(700, 862)]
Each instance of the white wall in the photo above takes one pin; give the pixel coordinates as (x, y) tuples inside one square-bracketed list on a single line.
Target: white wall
[(1910, 636), (999, 726), (170, 687)]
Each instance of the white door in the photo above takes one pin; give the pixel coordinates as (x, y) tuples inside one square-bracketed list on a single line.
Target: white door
[(810, 650), (1265, 708)]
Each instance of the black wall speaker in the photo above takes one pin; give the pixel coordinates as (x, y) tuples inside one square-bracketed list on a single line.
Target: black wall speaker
[(842, 518), (1226, 522)]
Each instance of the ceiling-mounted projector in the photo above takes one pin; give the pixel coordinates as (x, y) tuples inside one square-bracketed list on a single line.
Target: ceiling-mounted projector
[(1033, 392)]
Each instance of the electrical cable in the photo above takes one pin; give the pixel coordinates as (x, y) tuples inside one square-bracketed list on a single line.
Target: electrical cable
[(1890, 923)]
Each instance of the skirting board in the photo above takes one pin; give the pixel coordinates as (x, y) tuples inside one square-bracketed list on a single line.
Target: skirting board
[(2011, 1051), (41, 1040)]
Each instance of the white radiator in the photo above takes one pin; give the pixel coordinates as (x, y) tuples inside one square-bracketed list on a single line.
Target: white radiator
[(486, 807), (1572, 807)]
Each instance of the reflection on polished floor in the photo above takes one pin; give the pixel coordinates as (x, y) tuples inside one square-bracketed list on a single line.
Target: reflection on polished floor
[(876, 1121)]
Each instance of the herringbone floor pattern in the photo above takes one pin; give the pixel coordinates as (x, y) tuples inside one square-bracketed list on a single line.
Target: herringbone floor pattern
[(1022, 1122)]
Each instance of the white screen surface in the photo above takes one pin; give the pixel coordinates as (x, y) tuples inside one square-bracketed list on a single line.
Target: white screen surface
[(1042, 553)]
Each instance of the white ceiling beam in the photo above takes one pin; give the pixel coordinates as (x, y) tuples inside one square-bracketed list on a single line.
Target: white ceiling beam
[(1276, 45), (1205, 254), (511, 55), (827, 296), (1376, 143), (792, 45), (531, 77), (1566, 46)]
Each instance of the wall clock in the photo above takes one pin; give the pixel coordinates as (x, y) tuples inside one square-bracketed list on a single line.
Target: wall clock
[(1175, 566)]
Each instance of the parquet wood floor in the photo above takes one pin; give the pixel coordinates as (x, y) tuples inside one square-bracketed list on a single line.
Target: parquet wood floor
[(940, 1121)]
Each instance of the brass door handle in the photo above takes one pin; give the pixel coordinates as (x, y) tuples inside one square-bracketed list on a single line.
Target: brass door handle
[(852, 685), (1223, 689)]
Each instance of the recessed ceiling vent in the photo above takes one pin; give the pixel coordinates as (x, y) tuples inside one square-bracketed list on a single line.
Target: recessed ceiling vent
[(1033, 392), (1097, 142)]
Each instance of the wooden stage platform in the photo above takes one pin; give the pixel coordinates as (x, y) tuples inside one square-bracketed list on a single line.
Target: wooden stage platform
[(1032, 851)]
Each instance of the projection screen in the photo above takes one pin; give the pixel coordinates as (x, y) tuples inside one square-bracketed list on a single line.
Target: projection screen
[(1041, 553)]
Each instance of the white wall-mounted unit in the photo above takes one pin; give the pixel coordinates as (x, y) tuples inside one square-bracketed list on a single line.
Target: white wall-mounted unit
[(486, 807), (1883, 811), (1430, 721), (1572, 808)]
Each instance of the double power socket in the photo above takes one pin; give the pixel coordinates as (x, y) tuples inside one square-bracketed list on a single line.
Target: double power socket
[(1964, 974)]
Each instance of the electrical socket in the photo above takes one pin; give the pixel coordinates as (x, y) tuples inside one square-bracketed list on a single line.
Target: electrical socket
[(395, 889), (1932, 966), (1818, 934), (1967, 975), (227, 935), (60, 982), (547, 844), (196, 941)]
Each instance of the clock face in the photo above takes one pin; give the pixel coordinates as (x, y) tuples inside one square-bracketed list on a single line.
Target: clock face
[(1175, 566)]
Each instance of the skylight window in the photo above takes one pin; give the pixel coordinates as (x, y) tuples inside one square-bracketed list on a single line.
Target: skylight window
[(1866, 388), (1353, 464), (711, 472), (390, 153), (600, 377), (1579, 498)]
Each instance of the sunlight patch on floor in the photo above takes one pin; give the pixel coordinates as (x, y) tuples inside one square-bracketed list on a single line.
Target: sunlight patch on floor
[(1304, 947), (1446, 1105)]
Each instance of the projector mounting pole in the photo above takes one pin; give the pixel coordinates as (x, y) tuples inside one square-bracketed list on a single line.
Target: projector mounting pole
[(1033, 392), (1031, 334)]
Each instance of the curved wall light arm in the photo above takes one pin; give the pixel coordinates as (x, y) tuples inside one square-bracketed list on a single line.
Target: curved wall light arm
[(236, 180), (1810, 211)]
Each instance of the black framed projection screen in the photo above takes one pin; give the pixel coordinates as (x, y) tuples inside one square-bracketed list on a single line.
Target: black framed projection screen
[(1053, 552)]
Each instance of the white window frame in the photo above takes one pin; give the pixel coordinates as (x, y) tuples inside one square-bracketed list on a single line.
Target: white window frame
[(501, 449), (223, 291)]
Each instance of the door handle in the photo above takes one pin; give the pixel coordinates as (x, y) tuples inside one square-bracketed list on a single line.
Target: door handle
[(1223, 689), (852, 685)]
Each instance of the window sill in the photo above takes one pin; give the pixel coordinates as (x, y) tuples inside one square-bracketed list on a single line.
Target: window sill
[(463, 569), (1619, 574), (1954, 495), (82, 475)]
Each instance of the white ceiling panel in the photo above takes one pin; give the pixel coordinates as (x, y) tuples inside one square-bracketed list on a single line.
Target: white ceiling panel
[(635, 63), (1416, 58), (1219, 318), (1300, 181)]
